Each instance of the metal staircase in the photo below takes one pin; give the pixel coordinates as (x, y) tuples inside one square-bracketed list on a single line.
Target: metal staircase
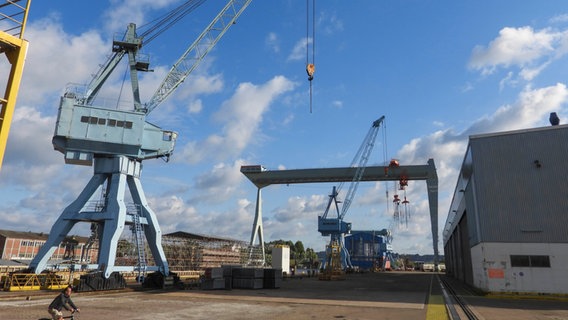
[(138, 233)]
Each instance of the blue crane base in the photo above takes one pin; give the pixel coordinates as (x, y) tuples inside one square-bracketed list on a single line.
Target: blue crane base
[(119, 173)]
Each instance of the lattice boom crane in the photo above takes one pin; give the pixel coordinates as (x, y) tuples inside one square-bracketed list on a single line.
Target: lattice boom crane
[(336, 227)]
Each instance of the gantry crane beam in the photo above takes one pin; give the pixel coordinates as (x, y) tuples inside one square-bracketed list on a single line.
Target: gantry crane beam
[(14, 16), (262, 178)]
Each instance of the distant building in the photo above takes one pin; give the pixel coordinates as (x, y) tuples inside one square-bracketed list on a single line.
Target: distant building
[(23, 246), (507, 227), (190, 251)]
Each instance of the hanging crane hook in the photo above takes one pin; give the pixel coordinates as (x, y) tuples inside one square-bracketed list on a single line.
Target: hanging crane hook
[(310, 66), (310, 69)]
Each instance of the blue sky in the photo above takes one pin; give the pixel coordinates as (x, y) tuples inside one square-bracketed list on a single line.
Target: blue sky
[(438, 70)]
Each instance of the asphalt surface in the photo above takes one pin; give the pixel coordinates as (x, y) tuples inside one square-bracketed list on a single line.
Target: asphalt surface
[(391, 295)]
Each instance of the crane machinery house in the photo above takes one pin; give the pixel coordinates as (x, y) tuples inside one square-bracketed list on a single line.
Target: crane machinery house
[(83, 131)]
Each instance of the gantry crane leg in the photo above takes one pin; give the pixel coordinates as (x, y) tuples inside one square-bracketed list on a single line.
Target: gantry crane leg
[(119, 173), (257, 229), (15, 50)]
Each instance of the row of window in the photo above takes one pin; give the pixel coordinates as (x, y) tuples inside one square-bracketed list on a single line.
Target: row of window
[(31, 243), (530, 261), (108, 122)]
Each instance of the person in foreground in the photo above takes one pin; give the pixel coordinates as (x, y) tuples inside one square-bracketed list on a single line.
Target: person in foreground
[(63, 300)]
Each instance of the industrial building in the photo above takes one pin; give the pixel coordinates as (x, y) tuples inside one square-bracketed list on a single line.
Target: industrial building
[(24, 246), (184, 251), (507, 227)]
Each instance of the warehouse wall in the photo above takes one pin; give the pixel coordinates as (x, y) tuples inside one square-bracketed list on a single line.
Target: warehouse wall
[(493, 270), (521, 185)]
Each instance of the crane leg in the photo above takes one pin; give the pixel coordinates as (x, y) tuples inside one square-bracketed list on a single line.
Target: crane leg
[(152, 232), (64, 224)]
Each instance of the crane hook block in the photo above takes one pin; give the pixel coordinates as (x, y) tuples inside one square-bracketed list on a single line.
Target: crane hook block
[(310, 69)]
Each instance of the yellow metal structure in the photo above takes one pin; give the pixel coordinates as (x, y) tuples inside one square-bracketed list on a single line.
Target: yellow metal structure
[(14, 14), (22, 282), (333, 269), (30, 281)]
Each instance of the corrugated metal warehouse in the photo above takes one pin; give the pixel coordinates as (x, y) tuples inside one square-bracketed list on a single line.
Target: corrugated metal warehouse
[(507, 227)]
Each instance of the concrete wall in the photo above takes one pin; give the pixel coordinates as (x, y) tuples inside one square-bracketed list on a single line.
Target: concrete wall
[(492, 270)]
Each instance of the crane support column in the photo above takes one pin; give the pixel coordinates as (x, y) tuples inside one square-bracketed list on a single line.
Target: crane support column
[(432, 186), (111, 214), (257, 229), (15, 48)]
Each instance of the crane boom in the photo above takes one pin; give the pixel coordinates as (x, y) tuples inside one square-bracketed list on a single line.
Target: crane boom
[(363, 156), (197, 51), (360, 162), (336, 227)]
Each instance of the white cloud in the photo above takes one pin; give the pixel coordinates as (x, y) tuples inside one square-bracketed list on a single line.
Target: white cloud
[(531, 51), (195, 106), (329, 23), (273, 42), (123, 12), (55, 59), (219, 184), (299, 50), (175, 215), (337, 104), (241, 116), (561, 18)]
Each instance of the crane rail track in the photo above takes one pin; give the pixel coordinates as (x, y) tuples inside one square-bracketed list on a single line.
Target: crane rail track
[(452, 298)]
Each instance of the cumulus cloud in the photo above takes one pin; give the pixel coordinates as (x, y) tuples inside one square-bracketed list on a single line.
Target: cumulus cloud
[(522, 47), (175, 214), (299, 50), (241, 116), (219, 184), (56, 58), (132, 11)]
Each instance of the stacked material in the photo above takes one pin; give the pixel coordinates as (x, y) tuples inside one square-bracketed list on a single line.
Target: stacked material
[(96, 281), (213, 279), (272, 278), (248, 278), (236, 277)]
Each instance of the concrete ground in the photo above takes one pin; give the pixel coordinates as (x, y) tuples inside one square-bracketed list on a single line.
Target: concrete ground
[(393, 295)]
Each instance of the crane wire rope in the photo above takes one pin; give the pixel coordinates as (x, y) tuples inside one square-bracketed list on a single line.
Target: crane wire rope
[(310, 67), (159, 25), (121, 88)]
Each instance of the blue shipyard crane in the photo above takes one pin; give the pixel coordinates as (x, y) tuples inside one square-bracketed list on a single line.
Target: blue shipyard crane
[(335, 227), (116, 142)]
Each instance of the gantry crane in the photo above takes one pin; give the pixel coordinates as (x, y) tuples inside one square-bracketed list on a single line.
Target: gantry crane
[(117, 141), (335, 227), (262, 178), (13, 18)]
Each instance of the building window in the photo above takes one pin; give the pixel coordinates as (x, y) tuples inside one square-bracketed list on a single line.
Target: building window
[(530, 261)]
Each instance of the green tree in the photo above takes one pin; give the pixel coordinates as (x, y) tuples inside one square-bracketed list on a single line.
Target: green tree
[(299, 251)]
